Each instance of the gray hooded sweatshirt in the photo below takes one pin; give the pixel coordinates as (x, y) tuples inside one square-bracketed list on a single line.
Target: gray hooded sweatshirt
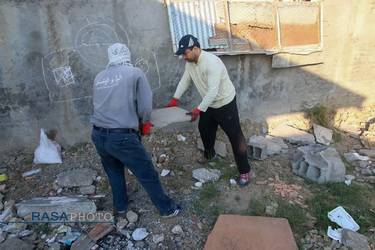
[(122, 98)]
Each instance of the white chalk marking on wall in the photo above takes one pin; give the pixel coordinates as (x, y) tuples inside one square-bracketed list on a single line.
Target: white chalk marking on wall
[(46, 70), (142, 64), (93, 37), (63, 76), (91, 43)]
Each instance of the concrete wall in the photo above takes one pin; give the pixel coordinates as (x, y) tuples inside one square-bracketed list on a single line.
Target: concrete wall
[(50, 54)]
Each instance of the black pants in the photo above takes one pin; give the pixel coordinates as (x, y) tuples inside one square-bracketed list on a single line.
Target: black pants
[(227, 118)]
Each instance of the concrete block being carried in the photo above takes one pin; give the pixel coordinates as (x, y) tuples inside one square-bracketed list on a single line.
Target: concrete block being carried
[(163, 117)]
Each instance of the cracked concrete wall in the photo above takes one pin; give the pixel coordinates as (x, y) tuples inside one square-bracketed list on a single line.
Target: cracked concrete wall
[(51, 50)]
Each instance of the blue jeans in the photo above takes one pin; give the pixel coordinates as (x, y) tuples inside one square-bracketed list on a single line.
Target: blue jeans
[(117, 150)]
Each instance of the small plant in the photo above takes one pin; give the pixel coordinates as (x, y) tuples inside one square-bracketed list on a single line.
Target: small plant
[(27, 161), (41, 227), (256, 207), (208, 204), (209, 191), (237, 198), (322, 116), (227, 172), (295, 214)]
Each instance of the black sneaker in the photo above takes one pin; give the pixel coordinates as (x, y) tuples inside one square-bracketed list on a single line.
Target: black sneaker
[(178, 211), (204, 160)]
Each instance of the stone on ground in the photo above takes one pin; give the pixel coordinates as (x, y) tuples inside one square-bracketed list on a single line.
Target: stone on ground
[(132, 216), (76, 178), (293, 135), (354, 240), (15, 244), (322, 135), (272, 147), (87, 189), (72, 204), (206, 175), (140, 234), (220, 147)]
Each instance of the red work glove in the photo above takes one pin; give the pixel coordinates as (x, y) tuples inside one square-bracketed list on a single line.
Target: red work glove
[(194, 114), (146, 128), (173, 103)]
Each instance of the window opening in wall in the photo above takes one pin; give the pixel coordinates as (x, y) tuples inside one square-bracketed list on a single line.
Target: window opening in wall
[(244, 27)]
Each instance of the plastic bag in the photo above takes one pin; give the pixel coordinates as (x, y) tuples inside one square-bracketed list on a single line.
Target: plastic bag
[(48, 152)]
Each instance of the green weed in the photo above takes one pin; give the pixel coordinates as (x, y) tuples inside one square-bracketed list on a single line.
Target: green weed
[(322, 116), (256, 207), (355, 199), (295, 214)]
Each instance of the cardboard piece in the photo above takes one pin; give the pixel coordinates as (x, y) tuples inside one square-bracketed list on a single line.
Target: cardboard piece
[(250, 232)]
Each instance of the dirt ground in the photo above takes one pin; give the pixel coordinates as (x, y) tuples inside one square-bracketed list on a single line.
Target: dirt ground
[(274, 181)]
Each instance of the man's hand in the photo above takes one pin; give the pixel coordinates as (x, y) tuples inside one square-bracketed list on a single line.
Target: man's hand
[(194, 114), (173, 103), (146, 128)]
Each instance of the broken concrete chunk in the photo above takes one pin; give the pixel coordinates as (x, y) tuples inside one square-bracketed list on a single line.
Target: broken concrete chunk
[(140, 234), (15, 244), (322, 135), (76, 178), (352, 157), (8, 212), (158, 238), (73, 204), (354, 240), (220, 147), (354, 130), (365, 152), (368, 139), (206, 175), (165, 172), (177, 230), (293, 135), (163, 117), (87, 189), (318, 163), (122, 223), (272, 147)]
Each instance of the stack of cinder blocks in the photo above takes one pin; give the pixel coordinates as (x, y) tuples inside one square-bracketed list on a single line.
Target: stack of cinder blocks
[(256, 150), (318, 163)]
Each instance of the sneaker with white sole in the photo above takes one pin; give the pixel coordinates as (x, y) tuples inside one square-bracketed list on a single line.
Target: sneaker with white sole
[(246, 178), (178, 211), (204, 160)]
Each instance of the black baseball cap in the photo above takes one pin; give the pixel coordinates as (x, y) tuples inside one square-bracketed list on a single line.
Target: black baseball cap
[(186, 41)]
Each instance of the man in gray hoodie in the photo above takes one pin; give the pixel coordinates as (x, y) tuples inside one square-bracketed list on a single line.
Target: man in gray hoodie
[(122, 101)]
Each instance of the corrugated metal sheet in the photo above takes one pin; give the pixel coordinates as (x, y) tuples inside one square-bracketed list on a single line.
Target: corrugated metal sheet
[(252, 25), (194, 17)]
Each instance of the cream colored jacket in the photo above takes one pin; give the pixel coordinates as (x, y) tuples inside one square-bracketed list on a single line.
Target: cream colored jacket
[(211, 78)]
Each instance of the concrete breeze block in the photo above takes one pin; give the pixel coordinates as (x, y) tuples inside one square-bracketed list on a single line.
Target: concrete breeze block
[(318, 163), (256, 151)]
